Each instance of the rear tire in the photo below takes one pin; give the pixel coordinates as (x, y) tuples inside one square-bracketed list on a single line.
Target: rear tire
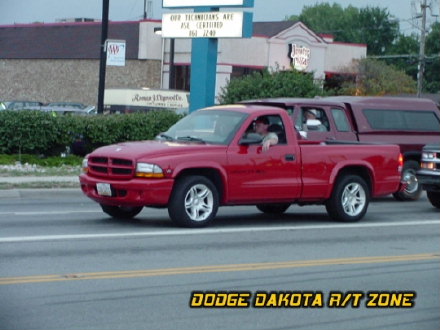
[(414, 189), (349, 200), (434, 198), (194, 202), (121, 212), (273, 208)]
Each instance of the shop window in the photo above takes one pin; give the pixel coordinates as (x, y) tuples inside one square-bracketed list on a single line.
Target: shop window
[(182, 77), (240, 71)]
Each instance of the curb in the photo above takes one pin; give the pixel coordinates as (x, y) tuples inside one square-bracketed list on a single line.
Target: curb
[(41, 193), (28, 179)]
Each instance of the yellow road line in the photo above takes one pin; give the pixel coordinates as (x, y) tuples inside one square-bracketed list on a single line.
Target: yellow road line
[(216, 268)]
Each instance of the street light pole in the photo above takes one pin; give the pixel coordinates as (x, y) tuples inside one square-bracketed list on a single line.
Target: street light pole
[(172, 76)]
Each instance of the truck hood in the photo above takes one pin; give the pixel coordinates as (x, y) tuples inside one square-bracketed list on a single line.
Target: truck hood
[(153, 149)]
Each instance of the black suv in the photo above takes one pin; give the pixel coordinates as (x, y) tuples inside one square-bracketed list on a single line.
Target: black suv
[(429, 173)]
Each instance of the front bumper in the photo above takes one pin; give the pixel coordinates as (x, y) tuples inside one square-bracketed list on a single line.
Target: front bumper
[(133, 192), (430, 180)]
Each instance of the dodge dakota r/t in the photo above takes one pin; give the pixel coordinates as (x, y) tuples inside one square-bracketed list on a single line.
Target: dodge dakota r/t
[(213, 157)]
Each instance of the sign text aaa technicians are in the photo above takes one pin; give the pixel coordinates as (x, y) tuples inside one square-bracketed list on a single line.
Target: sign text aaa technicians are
[(302, 299)]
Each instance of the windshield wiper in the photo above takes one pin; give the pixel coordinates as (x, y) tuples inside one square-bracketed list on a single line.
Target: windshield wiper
[(190, 138), (164, 136)]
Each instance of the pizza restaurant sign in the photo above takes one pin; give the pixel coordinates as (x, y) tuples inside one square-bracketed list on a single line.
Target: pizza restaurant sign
[(154, 98), (300, 56)]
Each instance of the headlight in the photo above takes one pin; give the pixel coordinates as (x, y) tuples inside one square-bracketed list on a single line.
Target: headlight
[(428, 155), (145, 170), (85, 165)]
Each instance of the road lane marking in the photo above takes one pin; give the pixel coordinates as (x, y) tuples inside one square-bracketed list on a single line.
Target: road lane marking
[(211, 231), (216, 268)]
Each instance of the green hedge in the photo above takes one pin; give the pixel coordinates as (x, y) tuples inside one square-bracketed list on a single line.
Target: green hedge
[(36, 132)]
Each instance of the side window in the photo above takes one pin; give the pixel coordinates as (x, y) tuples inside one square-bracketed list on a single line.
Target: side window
[(410, 120), (276, 126), (273, 124), (341, 120), (318, 115)]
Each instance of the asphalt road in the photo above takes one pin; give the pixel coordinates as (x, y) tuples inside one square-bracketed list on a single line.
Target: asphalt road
[(65, 265)]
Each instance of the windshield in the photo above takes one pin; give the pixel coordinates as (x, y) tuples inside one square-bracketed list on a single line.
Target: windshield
[(209, 126)]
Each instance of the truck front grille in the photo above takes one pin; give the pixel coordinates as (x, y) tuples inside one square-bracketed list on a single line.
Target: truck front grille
[(112, 168)]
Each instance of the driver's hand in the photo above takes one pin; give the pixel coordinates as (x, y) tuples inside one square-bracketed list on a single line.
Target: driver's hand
[(266, 145)]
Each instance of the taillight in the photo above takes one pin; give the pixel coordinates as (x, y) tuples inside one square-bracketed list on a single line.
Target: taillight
[(400, 167)]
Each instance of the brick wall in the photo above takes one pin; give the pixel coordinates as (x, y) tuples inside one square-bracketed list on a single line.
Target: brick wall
[(71, 80)]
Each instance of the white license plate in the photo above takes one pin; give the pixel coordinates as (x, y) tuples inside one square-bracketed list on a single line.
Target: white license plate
[(104, 189)]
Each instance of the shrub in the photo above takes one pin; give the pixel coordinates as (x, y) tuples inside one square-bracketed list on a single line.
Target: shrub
[(267, 84), (36, 132), (70, 160), (27, 132)]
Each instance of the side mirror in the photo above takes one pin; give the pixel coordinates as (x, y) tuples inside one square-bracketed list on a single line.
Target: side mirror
[(251, 138)]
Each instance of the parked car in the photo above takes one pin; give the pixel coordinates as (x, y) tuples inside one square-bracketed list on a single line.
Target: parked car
[(429, 173), (23, 105), (4, 105), (70, 108), (207, 159), (407, 122)]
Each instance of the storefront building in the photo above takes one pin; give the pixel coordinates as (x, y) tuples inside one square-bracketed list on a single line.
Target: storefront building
[(60, 62)]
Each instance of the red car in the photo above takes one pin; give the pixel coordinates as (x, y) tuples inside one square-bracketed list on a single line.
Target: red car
[(210, 159)]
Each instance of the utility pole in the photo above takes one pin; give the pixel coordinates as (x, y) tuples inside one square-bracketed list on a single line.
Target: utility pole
[(103, 57), (422, 50)]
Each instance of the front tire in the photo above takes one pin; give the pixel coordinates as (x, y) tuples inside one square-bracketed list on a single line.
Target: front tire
[(194, 202), (349, 200), (414, 189), (434, 198), (273, 208), (121, 212)]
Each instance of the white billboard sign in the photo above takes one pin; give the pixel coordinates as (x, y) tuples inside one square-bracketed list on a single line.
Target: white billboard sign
[(203, 25), (115, 52), (201, 3), (154, 98)]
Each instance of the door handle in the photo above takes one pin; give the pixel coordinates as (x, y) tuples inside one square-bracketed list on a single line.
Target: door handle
[(289, 157)]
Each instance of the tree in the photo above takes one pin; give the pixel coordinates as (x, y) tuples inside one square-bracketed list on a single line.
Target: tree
[(407, 47), (372, 26), (432, 68), (266, 84), (377, 78)]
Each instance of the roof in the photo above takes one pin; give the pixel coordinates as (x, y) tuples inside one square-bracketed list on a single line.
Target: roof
[(245, 108), (387, 101), (403, 102), (64, 40), (270, 29)]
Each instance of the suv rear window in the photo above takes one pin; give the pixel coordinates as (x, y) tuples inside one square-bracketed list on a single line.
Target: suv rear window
[(402, 120)]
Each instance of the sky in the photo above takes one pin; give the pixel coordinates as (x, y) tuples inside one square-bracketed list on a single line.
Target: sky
[(48, 11)]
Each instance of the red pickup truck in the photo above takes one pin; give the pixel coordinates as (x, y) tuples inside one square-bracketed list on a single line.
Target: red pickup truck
[(408, 122), (211, 158)]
